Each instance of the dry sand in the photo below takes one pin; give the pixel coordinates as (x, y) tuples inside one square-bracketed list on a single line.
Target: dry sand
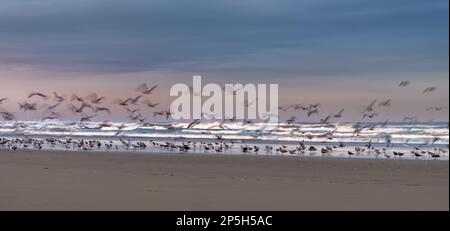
[(52, 180)]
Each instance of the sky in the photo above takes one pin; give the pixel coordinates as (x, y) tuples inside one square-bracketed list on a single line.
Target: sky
[(341, 54)]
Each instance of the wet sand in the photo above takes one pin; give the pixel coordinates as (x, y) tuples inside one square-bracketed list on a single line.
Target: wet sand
[(56, 180)]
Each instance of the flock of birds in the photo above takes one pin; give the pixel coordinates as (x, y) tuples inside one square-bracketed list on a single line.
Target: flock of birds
[(367, 113), (91, 106), (212, 147)]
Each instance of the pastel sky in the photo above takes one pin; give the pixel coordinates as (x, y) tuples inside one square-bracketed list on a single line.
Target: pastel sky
[(341, 54)]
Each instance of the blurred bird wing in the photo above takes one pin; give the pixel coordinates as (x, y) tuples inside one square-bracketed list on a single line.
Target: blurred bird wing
[(143, 87), (92, 97), (117, 101)]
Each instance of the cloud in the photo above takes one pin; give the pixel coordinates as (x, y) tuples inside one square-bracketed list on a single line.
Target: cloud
[(303, 37)]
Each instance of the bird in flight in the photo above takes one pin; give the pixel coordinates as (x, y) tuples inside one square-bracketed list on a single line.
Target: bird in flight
[(369, 108), (105, 109), (144, 89), (58, 98), (339, 114), (150, 104), (429, 89), (386, 103), (404, 83), (93, 98), (37, 94)]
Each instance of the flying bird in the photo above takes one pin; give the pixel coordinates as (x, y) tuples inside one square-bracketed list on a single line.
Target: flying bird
[(37, 94), (7, 116), (339, 114), (150, 104), (87, 118), (313, 111), (58, 98), (438, 108), (105, 109), (369, 108), (123, 102), (143, 88), (76, 98), (28, 106), (193, 123), (93, 98), (386, 103), (404, 83), (135, 100), (80, 109), (370, 116), (429, 89)]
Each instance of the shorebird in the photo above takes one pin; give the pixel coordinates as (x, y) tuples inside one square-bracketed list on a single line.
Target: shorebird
[(399, 154), (434, 155), (312, 149), (417, 155)]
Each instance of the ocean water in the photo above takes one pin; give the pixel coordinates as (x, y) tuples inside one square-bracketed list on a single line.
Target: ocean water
[(398, 136)]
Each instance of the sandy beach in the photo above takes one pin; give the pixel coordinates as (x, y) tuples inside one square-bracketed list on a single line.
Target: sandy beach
[(54, 180)]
